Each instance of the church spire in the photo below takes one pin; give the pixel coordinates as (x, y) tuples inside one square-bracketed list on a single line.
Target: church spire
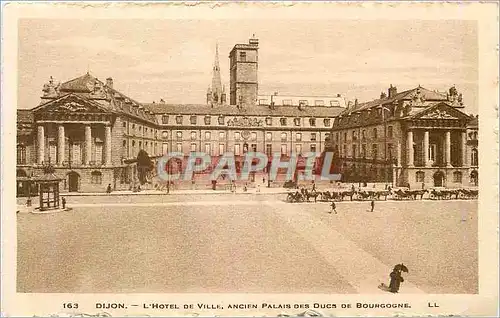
[(216, 88)]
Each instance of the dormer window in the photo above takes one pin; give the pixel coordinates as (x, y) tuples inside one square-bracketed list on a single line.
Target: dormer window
[(312, 122), (208, 120), (164, 119), (243, 56), (192, 119), (221, 120), (283, 121), (269, 121), (178, 119), (326, 122), (296, 121)]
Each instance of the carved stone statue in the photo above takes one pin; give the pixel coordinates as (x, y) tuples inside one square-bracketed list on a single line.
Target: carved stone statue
[(50, 89)]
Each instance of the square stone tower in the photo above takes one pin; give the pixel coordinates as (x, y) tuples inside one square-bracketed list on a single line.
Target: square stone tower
[(243, 67)]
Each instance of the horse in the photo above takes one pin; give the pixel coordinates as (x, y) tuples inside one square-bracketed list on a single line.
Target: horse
[(312, 194), (416, 193), (295, 197)]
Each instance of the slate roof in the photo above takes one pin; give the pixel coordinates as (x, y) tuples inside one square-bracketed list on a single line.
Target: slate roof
[(79, 84), (288, 111), (405, 95), (474, 123), (25, 116)]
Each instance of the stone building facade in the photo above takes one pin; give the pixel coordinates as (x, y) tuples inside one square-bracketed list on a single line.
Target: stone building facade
[(417, 138), (91, 133)]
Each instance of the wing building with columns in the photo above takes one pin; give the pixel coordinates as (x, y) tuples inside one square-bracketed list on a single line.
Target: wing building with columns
[(417, 138)]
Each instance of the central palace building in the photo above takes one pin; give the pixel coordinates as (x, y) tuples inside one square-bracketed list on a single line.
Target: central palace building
[(91, 133)]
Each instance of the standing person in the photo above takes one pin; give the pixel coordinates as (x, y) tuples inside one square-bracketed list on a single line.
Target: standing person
[(372, 205), (334, 208), (108, 189), (63, 200), (314, 186), (396, 280)]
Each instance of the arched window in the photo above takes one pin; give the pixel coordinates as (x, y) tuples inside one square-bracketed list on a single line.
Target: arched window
[(96, 177), (474, 156), (457, 177), (420, 176)]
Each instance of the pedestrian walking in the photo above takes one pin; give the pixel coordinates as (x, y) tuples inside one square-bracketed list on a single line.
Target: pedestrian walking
[(314, 186), (63, 201), (258, 188), (396, 280), (372, 205), (334, 208)]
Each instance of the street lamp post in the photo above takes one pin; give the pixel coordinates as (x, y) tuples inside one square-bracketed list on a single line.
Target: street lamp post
[(385, 142), (268, 163)]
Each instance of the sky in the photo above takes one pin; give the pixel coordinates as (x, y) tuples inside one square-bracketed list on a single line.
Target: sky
[(172, 59)]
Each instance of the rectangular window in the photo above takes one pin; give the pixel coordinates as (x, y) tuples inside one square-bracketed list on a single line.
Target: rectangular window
[(363, 151), (254, 136), (327, 136), (237, 149), (262, 101), (287, 102), (179, 147), (313, 136), (283, 136), (326, 122), (193, 135), (208, 120), (375, 133), (390, 151), (335, 103), (222, 135), (243, 56), (193, 147), (269, 150), (363, 134), (254, 147), (208, 135), (312, 122), (237, 136), (389, 132), (207, 149), (269, 136), (296, 121), (269, 121), (179, 135), (298, 137), (313, 148), (178, 119), (354, 135), (221, 120), (420, 176), (164, 148), (354, 151), (221, 149), (284, 149), (432, 152), (319, 103), (374, 151), (192, 119), (298, 149), (283, 121)]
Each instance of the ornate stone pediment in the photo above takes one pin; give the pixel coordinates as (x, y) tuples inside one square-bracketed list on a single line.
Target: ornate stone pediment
[(417, 98), (438, 114), (71, 104), (245, 122)]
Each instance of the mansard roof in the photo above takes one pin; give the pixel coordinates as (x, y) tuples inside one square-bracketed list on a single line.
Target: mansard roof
[(428, 95), (25, 116), (257, 110)]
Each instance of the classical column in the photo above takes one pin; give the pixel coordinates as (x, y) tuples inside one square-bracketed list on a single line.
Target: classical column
[(448, 148), (88, 144), (426, 148), (398, 151), (60, 145), (409, 148), (41, 144), (464, 149), (107, 145)]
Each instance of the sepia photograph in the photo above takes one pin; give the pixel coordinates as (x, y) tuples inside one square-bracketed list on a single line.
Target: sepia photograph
[(223, 155)]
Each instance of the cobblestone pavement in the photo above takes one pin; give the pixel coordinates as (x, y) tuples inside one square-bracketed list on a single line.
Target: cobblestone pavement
[(247, 243)]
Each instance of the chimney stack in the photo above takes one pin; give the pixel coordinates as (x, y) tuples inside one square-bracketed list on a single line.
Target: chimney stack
[(392, 91), (109, 82)]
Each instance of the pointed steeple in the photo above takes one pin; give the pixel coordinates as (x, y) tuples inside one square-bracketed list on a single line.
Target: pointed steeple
[(216, 78)]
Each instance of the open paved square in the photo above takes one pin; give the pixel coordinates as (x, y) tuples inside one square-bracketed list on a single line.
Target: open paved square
[(246, 243)]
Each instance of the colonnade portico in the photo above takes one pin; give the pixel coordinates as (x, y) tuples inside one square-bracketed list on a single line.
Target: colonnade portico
[(86, 130), (443, 152)]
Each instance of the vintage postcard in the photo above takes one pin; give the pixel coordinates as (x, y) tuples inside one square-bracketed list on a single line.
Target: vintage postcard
[(249, 159)]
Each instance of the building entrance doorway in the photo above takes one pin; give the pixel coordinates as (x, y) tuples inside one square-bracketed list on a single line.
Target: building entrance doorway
[(439, 179), (73, 181)]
